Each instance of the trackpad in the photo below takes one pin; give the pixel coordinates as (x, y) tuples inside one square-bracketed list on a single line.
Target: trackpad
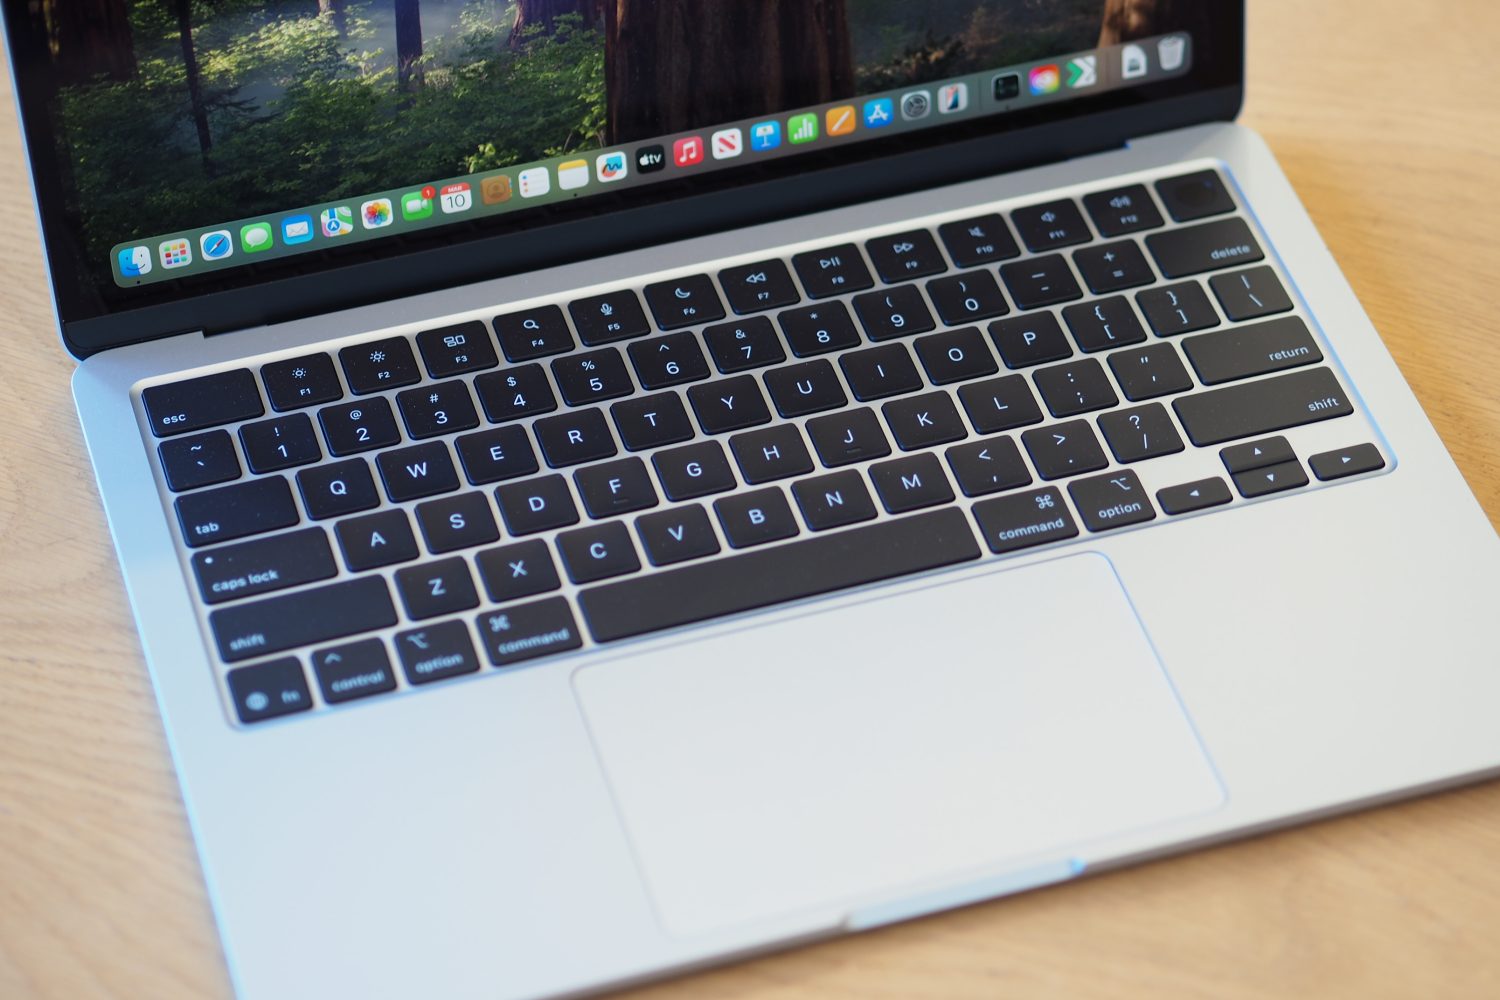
[(897, 744)]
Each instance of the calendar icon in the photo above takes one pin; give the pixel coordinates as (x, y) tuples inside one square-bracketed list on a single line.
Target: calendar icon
[(175, 253)]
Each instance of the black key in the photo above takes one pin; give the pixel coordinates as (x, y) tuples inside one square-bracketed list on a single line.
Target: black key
[(514, 393), (615, 488), (592, 377), (1250, 294), (1107, 323), (1024, 341), (604, 319), (1195, 196), (818, 329), (1000, 404), (527, 631), (304, 618), (811, 387), (834, 500), (353, 670), (1257, 454), (515, 571), (263, 565), (1141, 433), (752, 580), (1115, 500), (1149, 372), (437, 409), (832, 271), (571, 438), (893, 312), (1242, 351), (300, 382), (359, 426), (955, 356), (496, 454), (1197, 495), (878, 372), (753, 287), (423, 470), (677, 535), (461, 522), (536, 505), (651, 421), (772, 453), (744, 344), (1209, 247), (436, 588), (1177, 309), (280, 443), (229, 512), (1024, 520), (911, 483), (201, 460), (197, 403), (903, 256), (375, 540), (337, 489), (1268, 480), (533, 333), (695, 470), (457, 350), (978, 241), (986, 467), (755, 518), (379, 364), (1050, 226), (1113, 266), (685, 301), (1040, 281), (668, 360), (1352, 461), (1063, 450), (436, 652), (597, 552), (1074, 388), (848, 437), (923, 421), (730, 404), (965, 298), (267, 690), (1122, 210), (1261, 407)]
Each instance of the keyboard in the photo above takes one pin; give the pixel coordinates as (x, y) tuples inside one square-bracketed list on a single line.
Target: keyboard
[(402, 510)]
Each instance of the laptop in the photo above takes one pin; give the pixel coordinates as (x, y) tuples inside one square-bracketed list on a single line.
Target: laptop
[(606, 489)]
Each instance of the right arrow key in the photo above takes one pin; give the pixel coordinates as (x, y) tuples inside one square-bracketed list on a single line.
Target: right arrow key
[(1351, 461)]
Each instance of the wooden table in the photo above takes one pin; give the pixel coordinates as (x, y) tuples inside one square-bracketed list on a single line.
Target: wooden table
[(1384, 115)]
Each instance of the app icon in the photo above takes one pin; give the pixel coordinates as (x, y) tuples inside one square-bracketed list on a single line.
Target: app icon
[(455, 198), (135, 261), (535, 182), (1007, 86), (1083, 72), (765, 135), (611, 167), (1045, 80), (953, 98), (650, 159), (257, 236), (572, 174), (1170, 51), (494, 190), (687, 152), (296, 229), (879, 113), (216, 245), (801, 128), (840, 120), (336, 221), (917, 104), (417, 204), (175, 253), (727, 143), (376, 213), (1133, 62)]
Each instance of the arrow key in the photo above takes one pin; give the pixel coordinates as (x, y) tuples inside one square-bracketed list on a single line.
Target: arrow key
[(1271, 479), (1193, 496), (1257, 454), (1346, 462)]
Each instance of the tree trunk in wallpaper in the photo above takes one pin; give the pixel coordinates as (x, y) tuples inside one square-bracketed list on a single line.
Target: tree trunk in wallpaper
[(90, 38), (338, 11), (544, 13), (184, 11), (408, 43)]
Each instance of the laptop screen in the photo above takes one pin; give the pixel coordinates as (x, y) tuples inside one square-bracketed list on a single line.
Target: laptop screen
[(183, 148)]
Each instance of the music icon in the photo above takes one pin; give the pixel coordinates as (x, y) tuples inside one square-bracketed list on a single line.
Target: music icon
[(687, 152)]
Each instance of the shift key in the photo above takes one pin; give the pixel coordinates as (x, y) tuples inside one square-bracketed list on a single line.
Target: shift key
[(302, 618), (1255, 408)]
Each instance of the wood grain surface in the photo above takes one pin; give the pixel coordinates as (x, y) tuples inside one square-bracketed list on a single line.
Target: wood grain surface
[(1384, 115)]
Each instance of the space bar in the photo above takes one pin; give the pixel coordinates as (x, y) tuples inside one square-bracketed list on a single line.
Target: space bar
[(763, 577)]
